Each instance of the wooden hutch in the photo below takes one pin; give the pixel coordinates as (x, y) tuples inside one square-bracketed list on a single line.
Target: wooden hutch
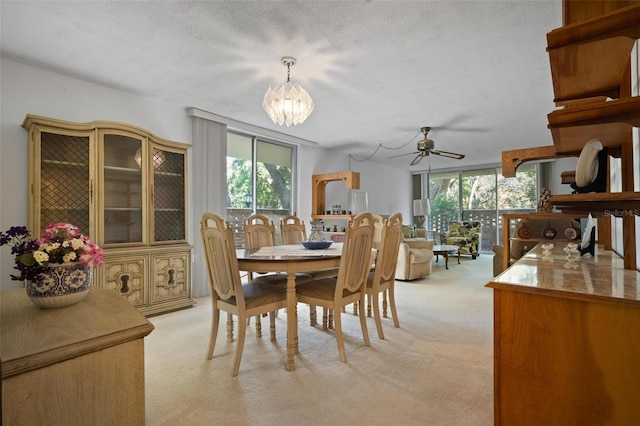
[(318, 194), (591, 72), (566, 344)]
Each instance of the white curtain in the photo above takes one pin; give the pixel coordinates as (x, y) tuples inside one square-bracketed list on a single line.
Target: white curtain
[(208, 188)]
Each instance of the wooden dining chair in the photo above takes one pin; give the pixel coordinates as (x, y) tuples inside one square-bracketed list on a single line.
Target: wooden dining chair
[(350, 285), (292, 230), (382, 279), (227, 292), (378, 225), (259, 232)]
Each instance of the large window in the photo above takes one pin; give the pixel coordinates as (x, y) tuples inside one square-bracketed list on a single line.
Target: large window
[(259, 180), (482, 195)]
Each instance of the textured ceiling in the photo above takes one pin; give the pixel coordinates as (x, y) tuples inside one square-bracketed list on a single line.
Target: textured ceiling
[(477, 72)]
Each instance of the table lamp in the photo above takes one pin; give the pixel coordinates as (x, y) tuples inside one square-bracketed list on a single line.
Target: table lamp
[(421, 210), (359, 202)]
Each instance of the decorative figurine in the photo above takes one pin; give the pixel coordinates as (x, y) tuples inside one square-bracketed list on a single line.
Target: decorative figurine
[(544, 204), (316, 230)]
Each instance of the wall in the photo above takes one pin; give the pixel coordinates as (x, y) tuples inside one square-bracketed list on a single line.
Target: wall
[(557, 167), (29, 90)]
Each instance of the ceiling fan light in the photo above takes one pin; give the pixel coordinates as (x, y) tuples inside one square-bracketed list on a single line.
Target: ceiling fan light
[(288, 103)]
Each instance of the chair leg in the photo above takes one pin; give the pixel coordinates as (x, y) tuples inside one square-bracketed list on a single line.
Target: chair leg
[(242, 331), (384, 303), (330, 325), (324, 318), (258, 327), (369, 305), (392, 302), (229, 328), (215, 320), (313, 316), (376, 315), (272, 325), (340, 338), (363, 323)]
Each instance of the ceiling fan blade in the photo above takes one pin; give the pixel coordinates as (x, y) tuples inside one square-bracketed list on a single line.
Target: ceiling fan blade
[(402, 155), (437, 129), (417, 159), (448, 154)]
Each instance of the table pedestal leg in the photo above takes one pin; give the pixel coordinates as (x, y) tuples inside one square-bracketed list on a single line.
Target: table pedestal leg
[(292, 321)]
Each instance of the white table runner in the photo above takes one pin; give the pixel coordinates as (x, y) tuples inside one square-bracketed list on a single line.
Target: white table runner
[(298, 250)]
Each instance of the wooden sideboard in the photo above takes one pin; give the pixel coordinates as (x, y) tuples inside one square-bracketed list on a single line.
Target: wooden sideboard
[(566, 341), (82, 364)]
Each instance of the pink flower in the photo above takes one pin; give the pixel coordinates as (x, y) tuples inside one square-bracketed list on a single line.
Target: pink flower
[(92, 255)]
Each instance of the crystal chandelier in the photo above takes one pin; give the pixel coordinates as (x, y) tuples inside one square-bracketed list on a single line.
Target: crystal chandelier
[(288, 103)]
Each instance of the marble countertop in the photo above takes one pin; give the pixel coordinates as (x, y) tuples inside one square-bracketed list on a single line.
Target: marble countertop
[(601, 277)]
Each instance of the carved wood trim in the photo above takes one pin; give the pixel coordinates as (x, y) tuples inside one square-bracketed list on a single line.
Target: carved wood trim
[(512, 159)]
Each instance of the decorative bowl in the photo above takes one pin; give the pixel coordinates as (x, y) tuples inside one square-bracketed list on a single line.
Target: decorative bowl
[(316, 245), (60, 285)]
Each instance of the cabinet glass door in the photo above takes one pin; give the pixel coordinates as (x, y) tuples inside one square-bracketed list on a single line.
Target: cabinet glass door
[(64, 184), (169, 219), (122, 191)]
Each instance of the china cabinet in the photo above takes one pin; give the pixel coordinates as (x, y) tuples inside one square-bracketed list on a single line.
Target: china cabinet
[(125, 188)]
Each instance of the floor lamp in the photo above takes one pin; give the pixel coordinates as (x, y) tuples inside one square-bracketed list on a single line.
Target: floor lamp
[(422, 210)]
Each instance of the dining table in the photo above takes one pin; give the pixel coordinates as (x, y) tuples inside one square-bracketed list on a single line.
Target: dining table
[(289, 259)]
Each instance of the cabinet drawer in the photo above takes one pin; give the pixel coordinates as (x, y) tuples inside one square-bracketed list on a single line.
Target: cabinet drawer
[(126, 275), (170, 276)]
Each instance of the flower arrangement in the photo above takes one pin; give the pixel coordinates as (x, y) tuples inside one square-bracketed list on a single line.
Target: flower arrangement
[(59, 243)]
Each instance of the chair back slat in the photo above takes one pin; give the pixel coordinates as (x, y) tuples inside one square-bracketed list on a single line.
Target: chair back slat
[(293, 230), (355, 261), (220, 255), (378, 226), (387, 259), (259, 232)]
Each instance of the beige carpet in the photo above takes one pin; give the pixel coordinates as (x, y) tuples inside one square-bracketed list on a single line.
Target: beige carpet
[(436, 369)]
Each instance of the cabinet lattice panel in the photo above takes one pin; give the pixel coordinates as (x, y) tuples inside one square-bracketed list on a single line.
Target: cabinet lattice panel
[(168, 198), (65, 180)]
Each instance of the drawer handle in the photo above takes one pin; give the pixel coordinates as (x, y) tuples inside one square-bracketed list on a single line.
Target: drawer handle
[(124, 288)]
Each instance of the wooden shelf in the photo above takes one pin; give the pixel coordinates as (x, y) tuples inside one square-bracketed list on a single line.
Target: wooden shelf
[(507, 230), (610, 122), (331, 217), (543, 240), (604, 202), (590, 58), (318, 187)]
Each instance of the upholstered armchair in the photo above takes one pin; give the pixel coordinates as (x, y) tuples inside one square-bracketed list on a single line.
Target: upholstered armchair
[(414, 259), (465, 235), (498, 255)]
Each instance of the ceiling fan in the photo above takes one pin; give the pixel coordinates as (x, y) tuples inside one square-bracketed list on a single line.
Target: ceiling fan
[(425, 148)]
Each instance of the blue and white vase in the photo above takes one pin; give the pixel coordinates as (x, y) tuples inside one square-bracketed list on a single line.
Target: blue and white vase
[(61, 285)]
